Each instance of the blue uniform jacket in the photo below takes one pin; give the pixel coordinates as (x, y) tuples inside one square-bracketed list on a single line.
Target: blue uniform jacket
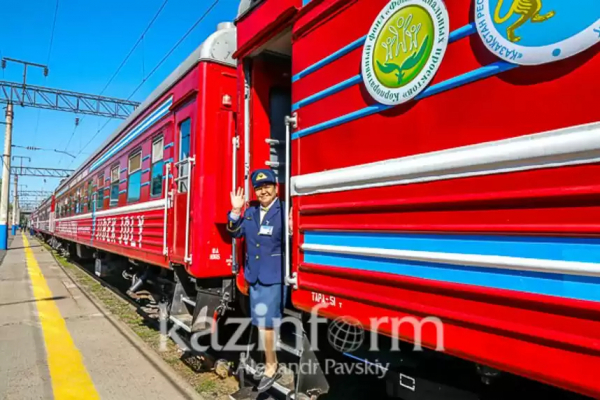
[(264, 253)]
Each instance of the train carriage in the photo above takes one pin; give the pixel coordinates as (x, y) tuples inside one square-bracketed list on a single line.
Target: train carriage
[(42, 218), (440, 158), (160, 176), (443, 159)]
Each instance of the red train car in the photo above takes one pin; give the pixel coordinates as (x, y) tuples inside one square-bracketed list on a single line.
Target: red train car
[(163, 174), (42, 218), (443, 160), (439, 156)]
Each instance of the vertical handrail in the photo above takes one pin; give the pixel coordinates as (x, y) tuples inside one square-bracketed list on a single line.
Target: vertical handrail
[(290, 122), (165, 217), (188, 257), (235, 144), (247, 154), (94, 200)]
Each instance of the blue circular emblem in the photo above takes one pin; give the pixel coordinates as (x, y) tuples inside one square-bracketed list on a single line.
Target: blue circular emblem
[(532, 32)]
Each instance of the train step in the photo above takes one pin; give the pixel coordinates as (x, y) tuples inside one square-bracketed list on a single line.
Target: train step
[(282, 388), (299, 384), (189, 301), (183, 321), (287, 348), (250, 393)]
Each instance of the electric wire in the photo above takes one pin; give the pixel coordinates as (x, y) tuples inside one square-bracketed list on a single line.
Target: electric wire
[(208, 10), (136, 44), (52, 33), (37, 121), (198, 21)]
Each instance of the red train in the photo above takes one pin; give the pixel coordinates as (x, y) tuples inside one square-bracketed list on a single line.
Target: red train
[(442, 164)]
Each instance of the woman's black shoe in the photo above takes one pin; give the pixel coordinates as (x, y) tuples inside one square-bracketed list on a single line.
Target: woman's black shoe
[(267, 382)]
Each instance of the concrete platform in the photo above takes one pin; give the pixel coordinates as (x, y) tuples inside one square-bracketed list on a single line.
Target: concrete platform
[(57, 344)]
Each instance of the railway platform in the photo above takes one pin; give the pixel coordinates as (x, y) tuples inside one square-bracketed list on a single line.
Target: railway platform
[(56, 343)]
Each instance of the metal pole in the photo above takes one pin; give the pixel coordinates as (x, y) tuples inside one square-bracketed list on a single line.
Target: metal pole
[(15, 209), (6, 179)]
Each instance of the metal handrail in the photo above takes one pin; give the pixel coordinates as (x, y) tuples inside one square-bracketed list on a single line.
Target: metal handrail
[(188, 257), (290, 123), (235, 143), (182, 177), (165, 246)]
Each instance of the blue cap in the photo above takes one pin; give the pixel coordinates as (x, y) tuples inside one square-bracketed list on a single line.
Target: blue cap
[(262, 176)]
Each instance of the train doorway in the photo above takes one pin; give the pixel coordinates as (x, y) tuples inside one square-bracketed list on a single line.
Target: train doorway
[(183, 170), (268, 76)]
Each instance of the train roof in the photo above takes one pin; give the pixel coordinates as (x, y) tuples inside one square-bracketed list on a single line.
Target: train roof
[(245, 6), (44, 202), (218, 47)]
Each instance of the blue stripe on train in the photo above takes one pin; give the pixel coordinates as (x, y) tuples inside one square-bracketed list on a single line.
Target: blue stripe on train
[(562, 285), (563, 249)]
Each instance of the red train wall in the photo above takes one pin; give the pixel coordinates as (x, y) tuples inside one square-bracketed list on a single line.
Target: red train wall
[(548, 339)]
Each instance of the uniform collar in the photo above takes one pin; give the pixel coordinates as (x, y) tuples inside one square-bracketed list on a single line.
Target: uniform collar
[(272, 208), (267, 208)]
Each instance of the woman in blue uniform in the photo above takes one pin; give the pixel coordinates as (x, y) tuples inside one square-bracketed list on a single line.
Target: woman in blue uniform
[(263, 228)]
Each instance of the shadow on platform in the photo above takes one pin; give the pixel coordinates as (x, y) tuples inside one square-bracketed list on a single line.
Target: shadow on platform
[(32, 301)]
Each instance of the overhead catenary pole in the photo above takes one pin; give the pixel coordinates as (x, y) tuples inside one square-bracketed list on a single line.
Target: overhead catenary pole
[(15, 208), (16, 211), (6, 179)]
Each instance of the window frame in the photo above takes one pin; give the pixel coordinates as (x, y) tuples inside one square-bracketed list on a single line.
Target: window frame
[(154, 162), (77, 201), (185, 168), (130, 173), (100, 191), (90, 195), (116, 167)]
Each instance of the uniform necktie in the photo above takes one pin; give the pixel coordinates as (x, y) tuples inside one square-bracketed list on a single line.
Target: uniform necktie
[(264, 209)]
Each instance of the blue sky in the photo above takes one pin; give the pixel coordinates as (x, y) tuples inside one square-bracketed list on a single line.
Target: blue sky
[(91, 39)]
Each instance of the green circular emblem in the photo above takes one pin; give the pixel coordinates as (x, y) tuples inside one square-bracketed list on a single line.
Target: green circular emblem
[(404, 49)]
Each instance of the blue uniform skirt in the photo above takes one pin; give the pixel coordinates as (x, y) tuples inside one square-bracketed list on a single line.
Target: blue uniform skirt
[(266, 304)]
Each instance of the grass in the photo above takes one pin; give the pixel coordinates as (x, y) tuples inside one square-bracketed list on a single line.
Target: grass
[(206, 383)]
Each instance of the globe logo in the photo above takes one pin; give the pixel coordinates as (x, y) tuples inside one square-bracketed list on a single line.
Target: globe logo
[(345, 334)]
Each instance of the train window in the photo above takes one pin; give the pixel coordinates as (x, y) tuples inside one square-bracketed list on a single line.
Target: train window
[(184, 153), (77, 201), (100, 192), (156, 179), (90, 196), (114, 186), (134, 182)]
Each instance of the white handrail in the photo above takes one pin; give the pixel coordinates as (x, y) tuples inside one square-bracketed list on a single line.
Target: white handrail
[(188, 257), (290, 122), (165, 246), (235, 142)]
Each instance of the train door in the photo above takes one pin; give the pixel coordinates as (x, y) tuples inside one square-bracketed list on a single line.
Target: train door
[(271, 103), (183, 170)]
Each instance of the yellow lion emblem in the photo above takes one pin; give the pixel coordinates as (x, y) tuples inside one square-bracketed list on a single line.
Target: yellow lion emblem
[(261, 176), (529, 10)]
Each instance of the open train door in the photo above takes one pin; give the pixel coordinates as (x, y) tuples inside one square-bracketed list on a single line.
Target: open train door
[(182, 170)]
